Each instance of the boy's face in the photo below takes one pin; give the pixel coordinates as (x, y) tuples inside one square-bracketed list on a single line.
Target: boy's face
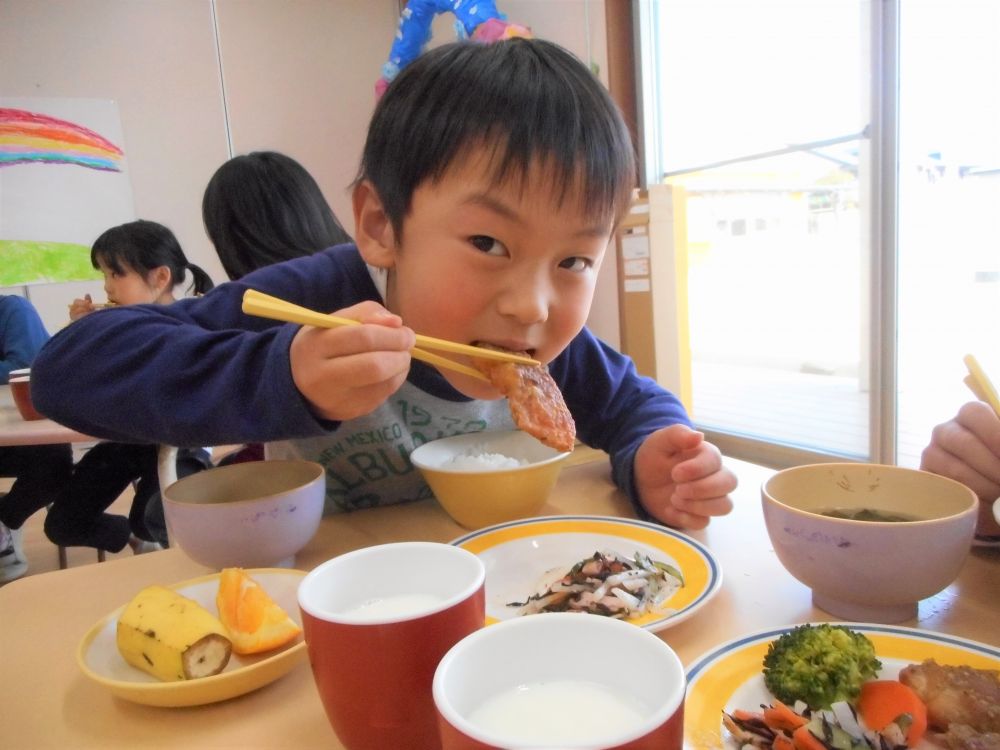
[(506, 265)]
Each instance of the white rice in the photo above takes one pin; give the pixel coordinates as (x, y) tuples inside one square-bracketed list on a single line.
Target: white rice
[(481, 460)]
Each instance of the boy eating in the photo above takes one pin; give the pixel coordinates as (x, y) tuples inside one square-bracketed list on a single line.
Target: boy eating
[(490, 184)]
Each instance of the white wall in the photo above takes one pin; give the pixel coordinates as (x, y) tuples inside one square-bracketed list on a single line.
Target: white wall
[(296, 76)]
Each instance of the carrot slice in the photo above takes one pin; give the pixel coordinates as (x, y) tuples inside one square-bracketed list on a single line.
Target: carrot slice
[(780, 716), (881, 702), (803, 739), (782, 742)]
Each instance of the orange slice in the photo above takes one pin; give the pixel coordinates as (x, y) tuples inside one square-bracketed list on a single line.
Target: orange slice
[(254, 621)]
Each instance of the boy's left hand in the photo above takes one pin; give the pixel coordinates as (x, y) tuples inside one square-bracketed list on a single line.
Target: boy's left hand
[(680, 478)]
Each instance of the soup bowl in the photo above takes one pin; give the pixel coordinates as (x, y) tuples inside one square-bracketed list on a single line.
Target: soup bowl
[(483, 478), (869, 570), (257, 514)]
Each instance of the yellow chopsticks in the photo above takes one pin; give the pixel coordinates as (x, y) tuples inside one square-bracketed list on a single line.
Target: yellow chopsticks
[(980, 384), (266, 306)]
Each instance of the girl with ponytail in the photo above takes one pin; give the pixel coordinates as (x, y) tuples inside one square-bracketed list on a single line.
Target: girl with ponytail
[(142, 263)]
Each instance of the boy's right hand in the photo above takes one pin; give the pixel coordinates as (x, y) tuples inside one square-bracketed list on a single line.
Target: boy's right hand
[(81, 307), (349, 371)]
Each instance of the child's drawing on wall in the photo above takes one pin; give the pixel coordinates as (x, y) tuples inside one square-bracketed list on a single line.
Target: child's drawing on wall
[(63, 180)]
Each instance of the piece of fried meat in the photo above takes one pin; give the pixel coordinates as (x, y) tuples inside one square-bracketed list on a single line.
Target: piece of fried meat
[(956, 695), (961, 737), (536, 404)]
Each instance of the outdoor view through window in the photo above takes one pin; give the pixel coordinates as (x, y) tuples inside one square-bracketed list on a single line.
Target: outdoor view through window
[(763, 118)]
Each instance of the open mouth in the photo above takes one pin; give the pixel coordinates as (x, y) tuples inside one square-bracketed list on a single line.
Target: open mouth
[(526, 351)]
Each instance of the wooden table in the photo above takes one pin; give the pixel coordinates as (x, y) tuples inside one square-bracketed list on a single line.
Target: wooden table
[(15, 430), (46, 701)]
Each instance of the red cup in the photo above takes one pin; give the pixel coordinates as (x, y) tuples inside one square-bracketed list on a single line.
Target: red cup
[(377, 622), (561, 680), (20, 389)]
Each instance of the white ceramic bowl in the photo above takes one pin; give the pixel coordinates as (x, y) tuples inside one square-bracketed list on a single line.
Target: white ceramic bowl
[(256, 514), (477, 496), (873, 571), (569, 681)]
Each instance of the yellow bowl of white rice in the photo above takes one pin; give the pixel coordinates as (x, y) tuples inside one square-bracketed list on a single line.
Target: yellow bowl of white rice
[(483, 478)]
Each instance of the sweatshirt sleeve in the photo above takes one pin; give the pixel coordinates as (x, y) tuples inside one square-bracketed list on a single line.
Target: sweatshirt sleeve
[(22, 334), (613, 406), (196, 372)]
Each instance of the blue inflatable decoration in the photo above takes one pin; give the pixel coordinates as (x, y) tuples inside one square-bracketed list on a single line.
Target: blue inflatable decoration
[(475, 19)]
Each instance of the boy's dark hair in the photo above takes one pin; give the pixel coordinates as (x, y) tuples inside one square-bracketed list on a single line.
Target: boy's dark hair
[(143, 245), (531, 100), (264, 207)]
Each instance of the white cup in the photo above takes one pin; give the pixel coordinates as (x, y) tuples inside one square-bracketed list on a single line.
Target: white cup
[(567, 680)]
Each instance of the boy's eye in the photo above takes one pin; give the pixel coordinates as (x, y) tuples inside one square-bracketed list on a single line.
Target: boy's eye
[(576, 263), (488, 245)]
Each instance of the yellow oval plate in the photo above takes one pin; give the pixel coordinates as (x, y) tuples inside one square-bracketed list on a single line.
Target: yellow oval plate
[(99, 659), (729, 677), (518, 554)]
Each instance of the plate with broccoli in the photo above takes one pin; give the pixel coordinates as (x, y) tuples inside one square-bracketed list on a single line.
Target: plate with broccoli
[(772, 667)]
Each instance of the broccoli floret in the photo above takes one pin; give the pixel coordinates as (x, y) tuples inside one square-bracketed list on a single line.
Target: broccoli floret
[(819, 665)]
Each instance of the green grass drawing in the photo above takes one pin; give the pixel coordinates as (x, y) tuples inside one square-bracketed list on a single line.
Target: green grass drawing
[(23, 262)]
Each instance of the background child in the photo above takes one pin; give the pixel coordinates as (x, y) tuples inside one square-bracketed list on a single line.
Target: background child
[(142, 263), (264, 207), (490, 184), (259, 208), (967, 448), (38, 470)]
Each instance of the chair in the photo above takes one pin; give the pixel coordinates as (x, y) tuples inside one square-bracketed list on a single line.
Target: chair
[(64, 562)]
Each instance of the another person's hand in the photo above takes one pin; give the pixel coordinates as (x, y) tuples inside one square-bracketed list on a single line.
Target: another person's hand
[(680, 478), (967, 448), (81, 307), (348, 372)]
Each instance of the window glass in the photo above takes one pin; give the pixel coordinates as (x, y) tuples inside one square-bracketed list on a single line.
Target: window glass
[(949, 208), (761, 109)]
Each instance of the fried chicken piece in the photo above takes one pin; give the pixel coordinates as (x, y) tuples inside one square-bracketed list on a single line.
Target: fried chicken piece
[(536, 403), (956, 695), (962, 737)]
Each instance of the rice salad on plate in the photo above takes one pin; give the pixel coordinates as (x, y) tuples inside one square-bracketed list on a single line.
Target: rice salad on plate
[(608, 584)]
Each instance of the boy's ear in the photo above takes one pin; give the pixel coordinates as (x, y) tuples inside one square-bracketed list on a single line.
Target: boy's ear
[(373, 235)]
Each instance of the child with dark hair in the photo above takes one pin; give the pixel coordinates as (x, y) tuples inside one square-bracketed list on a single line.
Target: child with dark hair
[(143, 263), (491, 182), (264, 207)]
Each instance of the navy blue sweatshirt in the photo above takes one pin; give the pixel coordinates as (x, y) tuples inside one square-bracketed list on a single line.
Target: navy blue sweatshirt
[(201, 372)]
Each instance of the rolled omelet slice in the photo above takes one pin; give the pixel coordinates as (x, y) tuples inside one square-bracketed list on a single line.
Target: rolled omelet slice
[(172, 637)]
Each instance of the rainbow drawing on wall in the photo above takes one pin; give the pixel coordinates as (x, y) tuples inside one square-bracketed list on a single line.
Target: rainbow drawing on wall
[(28, 137)]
